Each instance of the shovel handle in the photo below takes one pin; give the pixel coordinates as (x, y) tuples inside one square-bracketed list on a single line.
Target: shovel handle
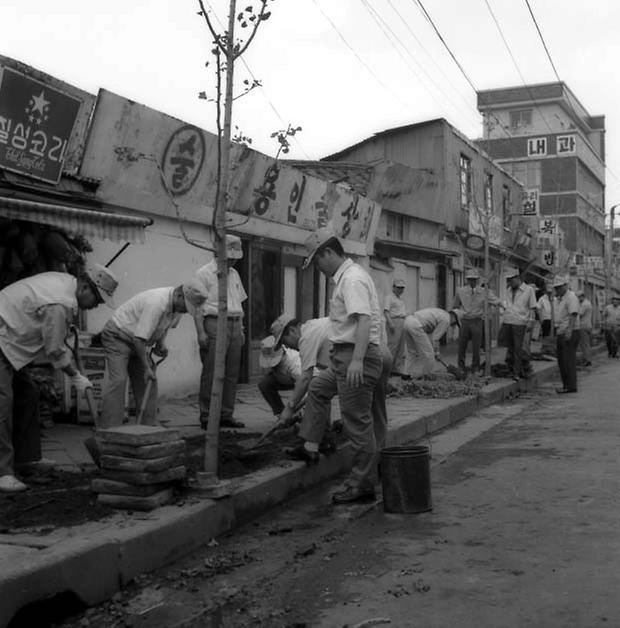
[(149, 385)]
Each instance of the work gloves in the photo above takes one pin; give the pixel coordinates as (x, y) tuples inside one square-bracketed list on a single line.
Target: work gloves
[(81, 383)]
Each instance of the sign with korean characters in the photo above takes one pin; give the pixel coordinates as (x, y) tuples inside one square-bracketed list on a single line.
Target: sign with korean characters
[(536, 146), (36, 122), (566, 144), (530, 203)]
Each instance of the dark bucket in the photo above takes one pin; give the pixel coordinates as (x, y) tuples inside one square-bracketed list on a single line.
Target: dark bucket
[(406, 479)]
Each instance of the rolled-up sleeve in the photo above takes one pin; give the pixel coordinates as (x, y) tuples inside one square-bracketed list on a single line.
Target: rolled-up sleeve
[(56, 319)]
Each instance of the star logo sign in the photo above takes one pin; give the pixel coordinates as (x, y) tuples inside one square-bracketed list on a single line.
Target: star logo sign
[(38, 109)]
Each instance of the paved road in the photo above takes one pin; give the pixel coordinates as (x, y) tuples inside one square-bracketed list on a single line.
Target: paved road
[(524, 532)]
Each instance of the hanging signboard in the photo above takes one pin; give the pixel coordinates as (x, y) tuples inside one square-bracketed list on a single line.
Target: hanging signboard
[(530, 203), (36, 122)]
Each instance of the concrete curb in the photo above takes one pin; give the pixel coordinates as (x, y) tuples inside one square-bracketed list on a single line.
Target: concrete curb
[(94, 566)]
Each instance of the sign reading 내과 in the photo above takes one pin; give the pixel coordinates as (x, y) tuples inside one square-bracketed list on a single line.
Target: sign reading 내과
[(36, 122)]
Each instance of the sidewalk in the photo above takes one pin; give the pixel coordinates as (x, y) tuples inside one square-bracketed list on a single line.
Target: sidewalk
[(125, 545)]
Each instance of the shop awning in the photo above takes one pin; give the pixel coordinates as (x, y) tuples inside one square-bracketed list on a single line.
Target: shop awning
[(87, 222)]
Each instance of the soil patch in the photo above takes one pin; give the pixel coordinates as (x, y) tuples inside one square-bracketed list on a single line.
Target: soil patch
[(56, 498)]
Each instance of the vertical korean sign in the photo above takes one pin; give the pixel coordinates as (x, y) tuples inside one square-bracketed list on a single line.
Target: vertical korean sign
[(35, 126)]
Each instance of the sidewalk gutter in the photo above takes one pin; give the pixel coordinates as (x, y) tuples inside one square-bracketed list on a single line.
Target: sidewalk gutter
[(94, 563)]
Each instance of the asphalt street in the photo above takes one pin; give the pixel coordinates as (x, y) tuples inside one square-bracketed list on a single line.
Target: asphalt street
[(524, 532)]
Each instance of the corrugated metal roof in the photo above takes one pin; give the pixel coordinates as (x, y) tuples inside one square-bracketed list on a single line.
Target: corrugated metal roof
[(357, 176)]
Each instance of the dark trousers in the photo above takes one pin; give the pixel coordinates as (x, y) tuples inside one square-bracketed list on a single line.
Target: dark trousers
[(567, 359), (270, 386), (20, 437), (545, 328), (471, 329), (517, 356), (234, 343), (612, 339)]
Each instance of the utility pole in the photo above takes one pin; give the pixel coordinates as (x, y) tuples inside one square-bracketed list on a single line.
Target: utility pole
[(609, 245)]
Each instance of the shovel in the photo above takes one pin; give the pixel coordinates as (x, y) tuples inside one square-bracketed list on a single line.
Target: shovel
[(149, 385), (251, 450), (453, 370)]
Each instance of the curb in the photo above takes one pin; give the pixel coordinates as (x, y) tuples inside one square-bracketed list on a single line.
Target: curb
[(95, 566)]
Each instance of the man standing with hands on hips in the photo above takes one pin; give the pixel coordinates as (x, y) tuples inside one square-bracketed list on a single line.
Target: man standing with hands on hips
[(356, 365), (567, 334), (206, 328)]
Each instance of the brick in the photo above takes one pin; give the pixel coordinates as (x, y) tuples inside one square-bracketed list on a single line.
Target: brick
[(139, 465), (103, 485), (132, 502), (158, 450), (176, 473), (138, 435)]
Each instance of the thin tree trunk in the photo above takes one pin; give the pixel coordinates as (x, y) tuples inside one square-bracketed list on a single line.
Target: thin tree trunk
[(215, 407), (487, 326)]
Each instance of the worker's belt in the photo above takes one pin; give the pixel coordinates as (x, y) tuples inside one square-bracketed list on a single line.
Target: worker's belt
[(342, 345), (230, 317)]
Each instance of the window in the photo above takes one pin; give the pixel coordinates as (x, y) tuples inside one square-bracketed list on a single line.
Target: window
[(527, 172), (520, 118), (506, 206), (395, 226), (465, 180), (488, 193)]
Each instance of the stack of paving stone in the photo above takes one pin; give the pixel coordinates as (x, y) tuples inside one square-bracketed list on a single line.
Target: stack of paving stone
[(139, 463)]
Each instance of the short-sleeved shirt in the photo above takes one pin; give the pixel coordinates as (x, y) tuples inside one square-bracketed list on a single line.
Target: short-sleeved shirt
[(207, 275), (563, 309), (471, 301), (585, 314), (34, 317), (435, 322), (290, 364), (544, 305), (354, 293), (519, 305), (312, 342), (395, 306), (147, 315), (611, 315)]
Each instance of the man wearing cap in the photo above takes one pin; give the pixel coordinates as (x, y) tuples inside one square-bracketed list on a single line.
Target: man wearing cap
[(139, 324), (395, 312), (469, 300), (611, 325), (423, 331), (356, 364), (206, 328), (35, 314), (567, 333), (518, 318), (283, 367), (585, 327)]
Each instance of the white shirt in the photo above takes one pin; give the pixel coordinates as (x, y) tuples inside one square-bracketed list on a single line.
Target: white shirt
[(313, 341), (354, 293), (207, 274), (585, 314), (34, 317), (395, 306), (563, 309), (544, 305), (519, 305), (290, 364), (147, 315), (434, 321)]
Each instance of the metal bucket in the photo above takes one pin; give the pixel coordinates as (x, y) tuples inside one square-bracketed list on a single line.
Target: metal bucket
[(406, 479)]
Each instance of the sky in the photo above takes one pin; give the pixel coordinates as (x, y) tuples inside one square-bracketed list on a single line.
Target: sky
[(341, 69)]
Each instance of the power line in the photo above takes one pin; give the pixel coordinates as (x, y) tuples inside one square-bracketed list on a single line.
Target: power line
[(353, 51), (542, 39)]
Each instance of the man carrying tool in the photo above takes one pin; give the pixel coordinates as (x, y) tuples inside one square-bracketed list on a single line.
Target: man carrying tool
[(355, 369), (518, 320), (283, 371), (567, 334), (395, 312), (35, 314), (423, 331), (137, 325), (469, 300), (206, 328), (611, 325)]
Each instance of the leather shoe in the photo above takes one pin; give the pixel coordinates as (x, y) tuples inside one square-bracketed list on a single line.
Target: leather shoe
[(562, 391), (230, 422), (327, 446), (351, 494), (301, 453)]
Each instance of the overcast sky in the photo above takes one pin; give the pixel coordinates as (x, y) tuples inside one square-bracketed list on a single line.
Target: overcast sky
[(393, 71)]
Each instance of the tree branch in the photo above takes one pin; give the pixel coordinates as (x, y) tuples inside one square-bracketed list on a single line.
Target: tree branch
[(254, 29), (216, 37)]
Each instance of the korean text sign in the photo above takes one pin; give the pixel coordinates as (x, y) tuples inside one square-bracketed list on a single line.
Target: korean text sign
[(36, 121)]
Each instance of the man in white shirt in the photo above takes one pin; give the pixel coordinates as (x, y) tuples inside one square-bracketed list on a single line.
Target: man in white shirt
[(543, 308), (611, 325), (518, 318), (356, 365), (567, 333), (585, 327), (423, 331), (283, 371), (206, 329), (395, 312), (137, 325), (35, 315)]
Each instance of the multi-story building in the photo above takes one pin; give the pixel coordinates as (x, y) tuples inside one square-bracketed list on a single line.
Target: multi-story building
[(546, 139)]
